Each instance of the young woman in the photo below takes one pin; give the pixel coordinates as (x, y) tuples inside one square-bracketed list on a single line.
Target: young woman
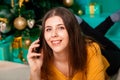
[(66, 54), (110, 51)]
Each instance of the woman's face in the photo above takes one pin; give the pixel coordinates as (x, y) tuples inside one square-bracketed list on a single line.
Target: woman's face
[(56, 34)]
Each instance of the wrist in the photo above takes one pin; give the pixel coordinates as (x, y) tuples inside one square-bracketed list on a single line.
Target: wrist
[(35, 74)]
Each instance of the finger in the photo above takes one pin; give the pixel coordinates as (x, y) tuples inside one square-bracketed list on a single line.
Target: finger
[(35, 42), (33, 47), (33, 55)]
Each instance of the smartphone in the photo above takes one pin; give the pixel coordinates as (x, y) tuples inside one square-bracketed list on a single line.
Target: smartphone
[(38, 49)]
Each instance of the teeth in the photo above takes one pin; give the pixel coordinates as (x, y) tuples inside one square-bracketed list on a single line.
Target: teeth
[(55, 42)]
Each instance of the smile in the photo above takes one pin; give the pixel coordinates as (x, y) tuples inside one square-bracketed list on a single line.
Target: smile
[(56, 42)]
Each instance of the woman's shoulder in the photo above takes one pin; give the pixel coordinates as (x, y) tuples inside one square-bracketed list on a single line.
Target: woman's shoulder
[(93, 48), (92, 44)]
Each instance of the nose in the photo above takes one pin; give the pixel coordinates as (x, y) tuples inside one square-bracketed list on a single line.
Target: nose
[(54, 33)]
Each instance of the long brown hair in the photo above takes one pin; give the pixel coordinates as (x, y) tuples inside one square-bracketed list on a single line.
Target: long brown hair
[(77, 44)]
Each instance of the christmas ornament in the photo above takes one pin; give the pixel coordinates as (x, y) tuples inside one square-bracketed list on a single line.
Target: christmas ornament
[(27, 42), (80, 12), (20, 3), (26, 0), (30, 23), (68, 3), (4, 28), (5, 14), (6, 18), (20, 23)]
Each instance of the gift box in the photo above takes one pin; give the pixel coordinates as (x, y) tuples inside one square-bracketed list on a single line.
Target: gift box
[(92, 9), (5, 51), (19, 55), (18, 51), (6, 48)]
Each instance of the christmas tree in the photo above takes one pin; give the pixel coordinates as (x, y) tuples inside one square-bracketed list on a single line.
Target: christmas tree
[(22, 20)]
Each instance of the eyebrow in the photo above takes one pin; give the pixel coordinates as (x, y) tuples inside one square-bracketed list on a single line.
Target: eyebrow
[(60, 24), (50, 26), (47, 26)]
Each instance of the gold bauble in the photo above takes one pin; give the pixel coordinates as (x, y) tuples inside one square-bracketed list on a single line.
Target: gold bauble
[(80, 12), (20, 23), (68, 3), (26, 0), (27, 42)]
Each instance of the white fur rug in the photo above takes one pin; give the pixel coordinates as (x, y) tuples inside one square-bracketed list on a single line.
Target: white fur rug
[(13, 71)]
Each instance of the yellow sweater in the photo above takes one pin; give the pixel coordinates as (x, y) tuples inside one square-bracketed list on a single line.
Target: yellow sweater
[(97, 65)]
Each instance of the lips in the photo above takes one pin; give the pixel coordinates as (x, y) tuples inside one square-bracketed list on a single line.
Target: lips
[(56, 42)]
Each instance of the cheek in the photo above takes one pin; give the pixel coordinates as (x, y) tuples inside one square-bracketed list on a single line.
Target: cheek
[(65, 36), (47, 36), (67, 39)]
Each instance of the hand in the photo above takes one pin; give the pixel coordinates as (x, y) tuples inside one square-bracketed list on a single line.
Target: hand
[(35, 60)]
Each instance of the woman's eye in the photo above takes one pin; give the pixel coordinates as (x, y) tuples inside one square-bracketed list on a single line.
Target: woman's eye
[(48, 29), (61, 28)]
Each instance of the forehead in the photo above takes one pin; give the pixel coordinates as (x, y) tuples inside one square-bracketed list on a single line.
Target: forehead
[(54, 20)]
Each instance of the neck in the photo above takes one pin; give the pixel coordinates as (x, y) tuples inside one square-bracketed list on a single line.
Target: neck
[(61, 63), (61, 57)]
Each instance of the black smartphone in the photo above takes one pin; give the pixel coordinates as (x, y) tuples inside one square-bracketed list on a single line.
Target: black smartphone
[(38, 49)]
